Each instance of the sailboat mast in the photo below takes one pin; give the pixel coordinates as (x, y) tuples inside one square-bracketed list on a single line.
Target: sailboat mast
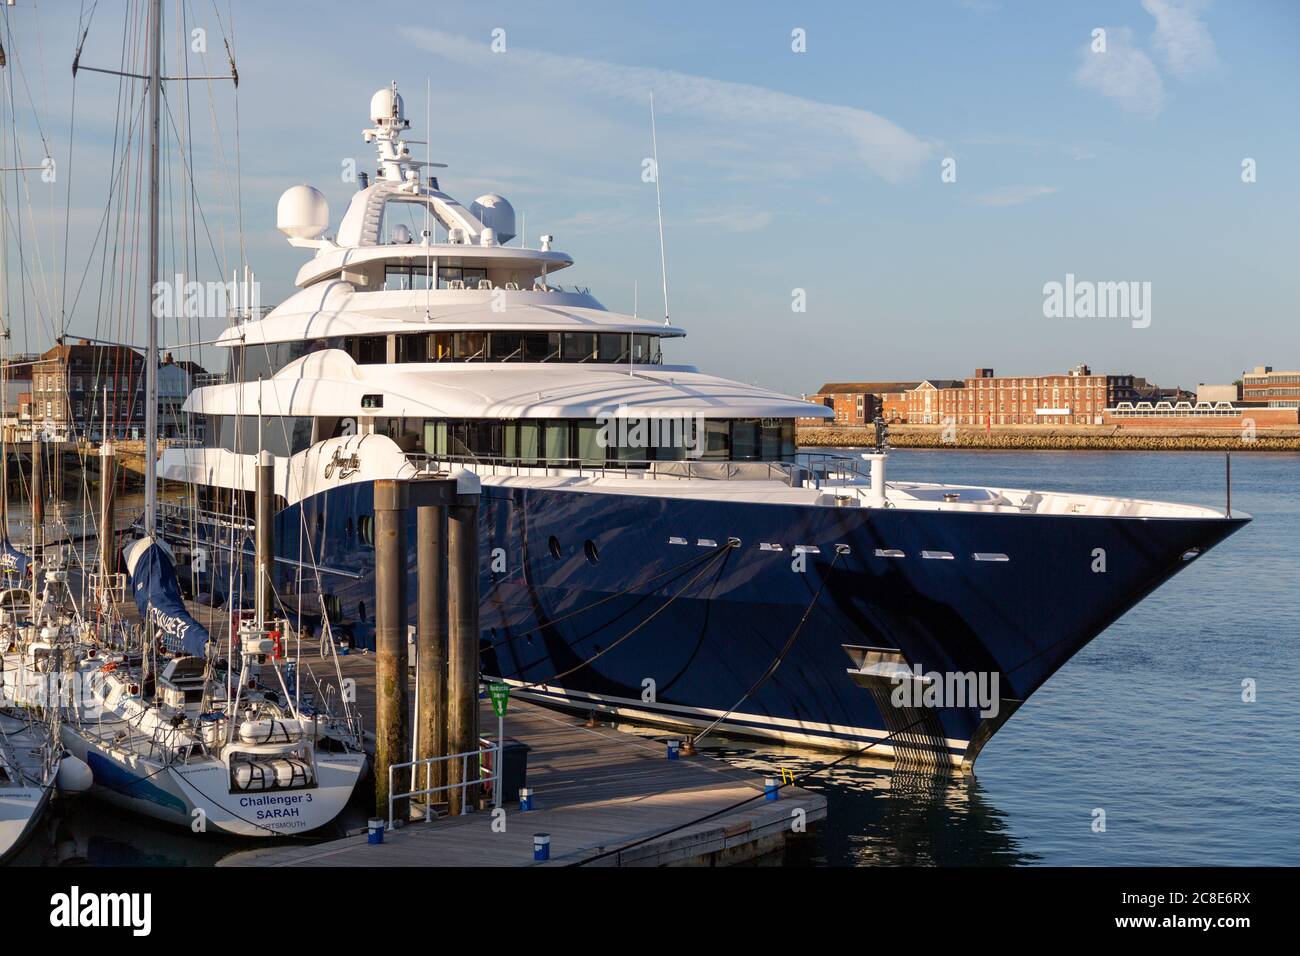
[(151, 350)]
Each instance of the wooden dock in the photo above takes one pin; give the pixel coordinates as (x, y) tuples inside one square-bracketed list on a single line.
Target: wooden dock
[(605, 797)]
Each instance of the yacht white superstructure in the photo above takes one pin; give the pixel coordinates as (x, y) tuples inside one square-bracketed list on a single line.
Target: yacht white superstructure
[(420, 340)]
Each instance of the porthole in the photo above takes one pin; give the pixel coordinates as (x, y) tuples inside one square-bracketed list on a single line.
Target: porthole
[(554, 545), (366, 528), (589, 547)]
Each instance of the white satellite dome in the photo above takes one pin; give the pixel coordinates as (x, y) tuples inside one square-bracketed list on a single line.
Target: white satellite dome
[(496, 214), (302, 212), (387, 106)]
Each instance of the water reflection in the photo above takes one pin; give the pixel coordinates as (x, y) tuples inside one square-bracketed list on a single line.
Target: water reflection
[(879, 814)]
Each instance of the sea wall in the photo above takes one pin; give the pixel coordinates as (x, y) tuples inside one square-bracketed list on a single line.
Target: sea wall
[(1053, 437)]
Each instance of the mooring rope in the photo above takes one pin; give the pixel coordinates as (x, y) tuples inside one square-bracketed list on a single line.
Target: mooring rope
[(761, 795), (780, 657), (605, 600), (719, 553)]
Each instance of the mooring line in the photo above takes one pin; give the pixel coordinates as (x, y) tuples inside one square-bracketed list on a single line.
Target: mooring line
[(761, 795), (719, 553), (780, 657), (595, 604)]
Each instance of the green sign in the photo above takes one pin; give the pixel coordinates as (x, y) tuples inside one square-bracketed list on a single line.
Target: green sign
[(500, 694)]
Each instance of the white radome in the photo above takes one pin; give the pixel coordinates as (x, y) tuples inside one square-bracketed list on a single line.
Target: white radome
[(302, 212), (497, 214), (382, 107)]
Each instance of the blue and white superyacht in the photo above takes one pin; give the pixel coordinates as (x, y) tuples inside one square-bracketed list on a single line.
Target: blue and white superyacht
[(649, 531)]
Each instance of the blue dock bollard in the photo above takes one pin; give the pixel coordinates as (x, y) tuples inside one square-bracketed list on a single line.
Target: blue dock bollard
[(771, 790), (541, 846), (525, 798), (674, 748), (375, 831)]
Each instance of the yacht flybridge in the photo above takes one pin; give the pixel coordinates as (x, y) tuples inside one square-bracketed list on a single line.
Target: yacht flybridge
[(631, 500)]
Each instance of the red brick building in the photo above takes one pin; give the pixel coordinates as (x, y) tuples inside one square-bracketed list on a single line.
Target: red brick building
[(1076, 398), (854, 403)]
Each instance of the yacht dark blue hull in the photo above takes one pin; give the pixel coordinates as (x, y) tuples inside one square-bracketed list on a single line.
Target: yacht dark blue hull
[(681, 626)]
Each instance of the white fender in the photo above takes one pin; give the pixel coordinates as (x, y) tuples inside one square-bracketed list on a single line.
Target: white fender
[(74, 775)]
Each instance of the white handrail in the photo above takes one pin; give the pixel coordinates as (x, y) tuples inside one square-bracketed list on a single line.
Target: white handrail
[(493, 778)]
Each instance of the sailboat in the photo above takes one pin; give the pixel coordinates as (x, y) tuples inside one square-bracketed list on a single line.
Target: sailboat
[(173, 725)]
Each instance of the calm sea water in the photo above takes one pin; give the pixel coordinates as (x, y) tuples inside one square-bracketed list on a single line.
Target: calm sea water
[(1146, 723)]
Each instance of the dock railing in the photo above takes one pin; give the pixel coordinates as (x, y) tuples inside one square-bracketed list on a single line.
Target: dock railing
[(493, 776)]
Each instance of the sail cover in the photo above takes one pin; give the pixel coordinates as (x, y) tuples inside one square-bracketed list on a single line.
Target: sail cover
[(158, 597), (12, 561)]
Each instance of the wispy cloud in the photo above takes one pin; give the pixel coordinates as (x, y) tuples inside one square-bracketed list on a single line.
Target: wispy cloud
[(857, 135), (1181, 40), (1013, 195), (1123, 72)]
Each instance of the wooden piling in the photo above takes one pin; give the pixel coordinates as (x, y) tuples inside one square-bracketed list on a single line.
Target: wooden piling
[(392, 718), (431, 641), (462, 654)]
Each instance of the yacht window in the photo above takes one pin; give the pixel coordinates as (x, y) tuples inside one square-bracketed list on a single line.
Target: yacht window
[(507, 346), (612, 347), (541, 346), (579, 346), (413, 348), (557, 440), (530, 432), (744, 439), (770, 439), (367, 349), (468, 278), (589, 449), (471, 346), (440, 347), (641, 349), (405, 276), (717, 439)]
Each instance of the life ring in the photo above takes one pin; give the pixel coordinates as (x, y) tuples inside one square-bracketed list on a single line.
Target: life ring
[(110, 666)]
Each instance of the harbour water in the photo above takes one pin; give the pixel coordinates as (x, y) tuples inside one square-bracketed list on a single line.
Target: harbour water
[(1146, 724)]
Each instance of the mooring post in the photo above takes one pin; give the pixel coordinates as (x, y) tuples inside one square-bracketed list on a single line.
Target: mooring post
[(392, 718), (462, 654), (107, 524), (264, 535), (431, 641)]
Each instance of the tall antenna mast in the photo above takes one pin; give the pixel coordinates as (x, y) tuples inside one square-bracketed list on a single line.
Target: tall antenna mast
[(659, 206), (151, 350)]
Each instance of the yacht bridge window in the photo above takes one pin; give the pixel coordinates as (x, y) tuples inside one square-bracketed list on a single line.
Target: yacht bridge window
[(560, 441), (252, 362)]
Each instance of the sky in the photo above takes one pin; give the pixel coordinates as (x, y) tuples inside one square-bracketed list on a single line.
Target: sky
[(914, 175)]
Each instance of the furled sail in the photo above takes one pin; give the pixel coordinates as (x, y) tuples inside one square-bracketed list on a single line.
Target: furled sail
[(158, 596), (12, 561)]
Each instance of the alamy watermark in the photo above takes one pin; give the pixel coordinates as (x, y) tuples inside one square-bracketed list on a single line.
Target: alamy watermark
[(957, 689), (623, 431), (176, 298), (1085, 299)]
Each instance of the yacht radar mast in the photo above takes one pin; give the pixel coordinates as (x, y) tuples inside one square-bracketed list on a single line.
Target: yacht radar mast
[(396, 164)]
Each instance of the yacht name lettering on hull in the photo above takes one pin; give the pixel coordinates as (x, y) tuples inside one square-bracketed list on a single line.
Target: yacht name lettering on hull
[(347, 467)]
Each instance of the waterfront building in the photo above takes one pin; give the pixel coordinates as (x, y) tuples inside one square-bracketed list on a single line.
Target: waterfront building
[(854, 403), (1274, 389)]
